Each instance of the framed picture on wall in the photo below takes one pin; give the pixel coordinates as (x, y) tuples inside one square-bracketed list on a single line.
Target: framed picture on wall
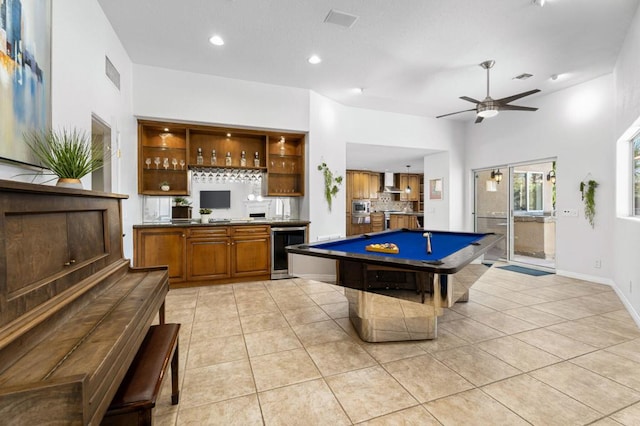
[(25, 75), (435, 189)]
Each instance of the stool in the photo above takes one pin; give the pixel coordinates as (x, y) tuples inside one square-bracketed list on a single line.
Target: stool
[(137, 394)]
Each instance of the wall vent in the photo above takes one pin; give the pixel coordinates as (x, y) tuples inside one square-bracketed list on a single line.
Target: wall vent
[(112, 72), (342, 19)]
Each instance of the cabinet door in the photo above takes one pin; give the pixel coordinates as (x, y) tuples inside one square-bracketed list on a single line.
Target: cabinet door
[(398, 221), (374, 185), (348, 224), (403, 182), (208, 258), (414, 183), (162, 246), (250, 255), (377, 222), (349, 190)]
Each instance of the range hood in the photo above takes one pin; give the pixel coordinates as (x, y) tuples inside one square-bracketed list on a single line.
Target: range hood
[(389, 186)]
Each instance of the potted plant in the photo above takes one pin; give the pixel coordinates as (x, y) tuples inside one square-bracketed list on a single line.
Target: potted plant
[(164, 185), (588, 190), (330, 183), (205, 215), (181, 208), (68, 154)]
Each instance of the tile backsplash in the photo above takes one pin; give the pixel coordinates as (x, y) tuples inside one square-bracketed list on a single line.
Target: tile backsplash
[(385, 202)]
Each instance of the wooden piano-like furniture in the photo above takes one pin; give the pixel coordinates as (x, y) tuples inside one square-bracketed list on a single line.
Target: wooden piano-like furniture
[(73, 313)]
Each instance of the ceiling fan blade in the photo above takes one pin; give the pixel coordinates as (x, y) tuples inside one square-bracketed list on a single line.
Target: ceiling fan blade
[(516, 97), (457, 112), (479, 119), (516, 108), (466, 98)]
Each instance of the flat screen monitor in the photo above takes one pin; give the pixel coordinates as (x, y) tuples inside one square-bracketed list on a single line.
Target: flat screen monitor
[(215, 199)]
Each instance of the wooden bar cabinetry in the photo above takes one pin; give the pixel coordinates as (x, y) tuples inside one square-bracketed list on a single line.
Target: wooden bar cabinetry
[(162, 158), (206, 254), (167, 151)]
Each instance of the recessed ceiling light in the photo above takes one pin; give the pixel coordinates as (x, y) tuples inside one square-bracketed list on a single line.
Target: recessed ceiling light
[(228, 135), (539, 2), (314, 59), (358, 90), (216, 40)]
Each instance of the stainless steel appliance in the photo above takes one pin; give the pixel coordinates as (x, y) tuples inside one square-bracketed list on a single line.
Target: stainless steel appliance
[(360, 211), (281, 237)]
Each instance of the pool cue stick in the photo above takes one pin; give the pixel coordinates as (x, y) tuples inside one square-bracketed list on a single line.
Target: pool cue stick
[(428, 236)]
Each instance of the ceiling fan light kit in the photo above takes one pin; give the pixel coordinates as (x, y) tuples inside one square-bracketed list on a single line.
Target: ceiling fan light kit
[(490, 107)]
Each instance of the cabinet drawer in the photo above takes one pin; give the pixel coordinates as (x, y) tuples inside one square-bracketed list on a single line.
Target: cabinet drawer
[(239, 231), (209, 232)]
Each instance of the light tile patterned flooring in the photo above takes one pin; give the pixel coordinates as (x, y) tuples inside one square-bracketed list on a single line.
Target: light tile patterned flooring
[(544, 350)]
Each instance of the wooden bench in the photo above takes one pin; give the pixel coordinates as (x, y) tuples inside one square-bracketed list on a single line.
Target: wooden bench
[(137, 394)]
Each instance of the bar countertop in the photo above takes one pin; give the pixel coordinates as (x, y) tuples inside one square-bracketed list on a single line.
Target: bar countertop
[(225, 222)]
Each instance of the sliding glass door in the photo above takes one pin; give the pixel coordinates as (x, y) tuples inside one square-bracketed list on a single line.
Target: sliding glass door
[(518, 201), (492, 209)]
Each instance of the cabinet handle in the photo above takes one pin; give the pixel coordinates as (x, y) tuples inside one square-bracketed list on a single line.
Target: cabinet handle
[(69, 263)]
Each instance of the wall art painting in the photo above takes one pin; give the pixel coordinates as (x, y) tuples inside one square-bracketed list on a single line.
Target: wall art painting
[(25, 74)]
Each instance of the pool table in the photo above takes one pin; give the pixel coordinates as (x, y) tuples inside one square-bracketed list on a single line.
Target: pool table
[(398, 296)]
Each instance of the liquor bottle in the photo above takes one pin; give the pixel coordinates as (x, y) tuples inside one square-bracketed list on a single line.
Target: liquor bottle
[(214, 160), (243, 159), (282, 146), (199, 158), (227, 159), (256, 159)]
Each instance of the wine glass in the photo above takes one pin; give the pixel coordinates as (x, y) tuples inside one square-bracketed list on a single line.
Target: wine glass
[(165, 163), (182, 164), (148, 162), (175, 163), (156, 161)]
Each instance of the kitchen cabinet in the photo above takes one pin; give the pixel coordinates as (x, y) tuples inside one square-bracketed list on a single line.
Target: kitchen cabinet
[(208, 253), (162, 159), (360, 228), (161, 246), (211, 254), (359, 184), (250, 250), (374, 185), (411, 180), (399, 221), (377, 222)]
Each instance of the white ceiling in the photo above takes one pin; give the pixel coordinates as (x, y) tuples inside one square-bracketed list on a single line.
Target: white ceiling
[(410, 56)]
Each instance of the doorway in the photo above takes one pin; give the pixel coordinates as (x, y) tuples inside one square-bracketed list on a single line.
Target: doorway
[(519, 201), (101, 134)]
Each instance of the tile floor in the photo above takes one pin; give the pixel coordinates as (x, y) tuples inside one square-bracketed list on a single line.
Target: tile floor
[(544, 350)]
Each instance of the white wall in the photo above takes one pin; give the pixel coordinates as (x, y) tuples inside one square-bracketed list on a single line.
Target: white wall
[(626, 231), (161, 93), (576, 126)]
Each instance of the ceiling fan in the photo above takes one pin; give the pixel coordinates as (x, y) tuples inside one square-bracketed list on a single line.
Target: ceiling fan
[(490, 107)]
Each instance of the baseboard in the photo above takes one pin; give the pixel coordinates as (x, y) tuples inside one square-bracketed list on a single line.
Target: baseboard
[(585, 277), (628, 305)]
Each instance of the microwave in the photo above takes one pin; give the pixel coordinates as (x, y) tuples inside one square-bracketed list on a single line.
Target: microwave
[(360, 207)]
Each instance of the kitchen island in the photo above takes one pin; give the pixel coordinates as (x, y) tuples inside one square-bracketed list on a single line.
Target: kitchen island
[(213, 253)]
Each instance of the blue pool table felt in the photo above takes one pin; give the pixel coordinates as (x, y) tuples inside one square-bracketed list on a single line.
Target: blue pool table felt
[(412, 245)]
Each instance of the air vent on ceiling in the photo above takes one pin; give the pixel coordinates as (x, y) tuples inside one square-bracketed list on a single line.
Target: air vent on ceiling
[(523, 76), (112, 72), (340, 18)]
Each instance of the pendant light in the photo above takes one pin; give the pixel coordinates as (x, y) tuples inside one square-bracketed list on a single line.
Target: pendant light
[(408, 188)]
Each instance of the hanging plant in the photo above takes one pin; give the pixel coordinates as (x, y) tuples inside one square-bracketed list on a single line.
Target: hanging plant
[(331, 183), (588, 190)]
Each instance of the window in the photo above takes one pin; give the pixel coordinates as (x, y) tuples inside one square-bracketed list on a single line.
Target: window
[(527, 191), (635, 167)]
